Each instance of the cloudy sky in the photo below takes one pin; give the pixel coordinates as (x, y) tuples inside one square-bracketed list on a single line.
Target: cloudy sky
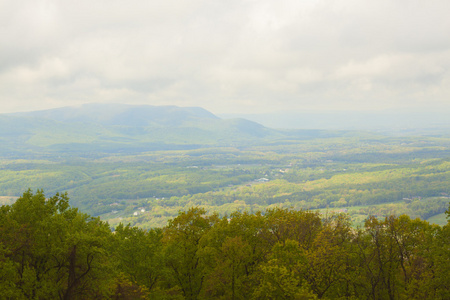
[(242, 56)]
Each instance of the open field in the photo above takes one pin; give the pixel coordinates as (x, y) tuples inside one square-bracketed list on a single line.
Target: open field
[(439, 219)]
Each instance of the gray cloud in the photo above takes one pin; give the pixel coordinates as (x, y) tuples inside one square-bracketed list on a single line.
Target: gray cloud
[(226, 56)]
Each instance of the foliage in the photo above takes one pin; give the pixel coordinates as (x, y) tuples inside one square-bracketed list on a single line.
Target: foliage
[(49, 250), (52, 250), (146, 189)]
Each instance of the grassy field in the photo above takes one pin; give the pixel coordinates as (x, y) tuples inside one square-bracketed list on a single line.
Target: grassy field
[(440, 219)]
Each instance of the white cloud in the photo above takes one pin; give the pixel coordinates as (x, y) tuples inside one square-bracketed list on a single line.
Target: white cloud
[(227, 56)]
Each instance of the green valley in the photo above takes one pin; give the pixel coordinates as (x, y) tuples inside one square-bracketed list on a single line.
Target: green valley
[(143, 164), (148, 188), (175, 203)]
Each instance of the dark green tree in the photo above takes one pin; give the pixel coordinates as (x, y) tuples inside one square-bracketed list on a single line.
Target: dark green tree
[(52, 251)]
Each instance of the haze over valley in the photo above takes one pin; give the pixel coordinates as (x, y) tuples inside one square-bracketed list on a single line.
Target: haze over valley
[(115, 160), (224, 149)]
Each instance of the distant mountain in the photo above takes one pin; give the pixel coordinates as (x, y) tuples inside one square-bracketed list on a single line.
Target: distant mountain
[(119, 128), (125, 115)]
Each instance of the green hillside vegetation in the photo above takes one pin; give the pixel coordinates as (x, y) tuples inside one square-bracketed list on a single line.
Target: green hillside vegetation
[(121, 128), (104, 129), (49, 250), (143, 164), (392, 174), (439, 219)]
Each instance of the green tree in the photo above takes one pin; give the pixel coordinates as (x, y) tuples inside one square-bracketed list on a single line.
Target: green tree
[(301, 226), (183, 248), (281, 276), (52, 251), (138, 256), (439, 257), (227, 279), (329, 263)]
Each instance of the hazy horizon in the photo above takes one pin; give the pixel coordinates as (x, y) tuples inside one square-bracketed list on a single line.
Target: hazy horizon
[(386, 120)]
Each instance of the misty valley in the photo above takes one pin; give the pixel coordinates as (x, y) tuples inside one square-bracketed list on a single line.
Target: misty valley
[(176, 203), (230, 150), (112, 164), (359, 177)]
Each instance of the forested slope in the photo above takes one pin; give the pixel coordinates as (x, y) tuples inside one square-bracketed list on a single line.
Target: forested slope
[(49, 250), (100, 129)]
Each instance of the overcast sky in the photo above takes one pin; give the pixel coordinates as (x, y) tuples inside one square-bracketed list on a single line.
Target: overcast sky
[(226, 56)]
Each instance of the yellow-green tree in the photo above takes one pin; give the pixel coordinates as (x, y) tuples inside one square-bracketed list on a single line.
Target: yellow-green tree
[(183, 251), (52, 251)]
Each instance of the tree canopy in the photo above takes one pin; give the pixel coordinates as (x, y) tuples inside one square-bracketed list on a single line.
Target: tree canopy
[(49, 250)]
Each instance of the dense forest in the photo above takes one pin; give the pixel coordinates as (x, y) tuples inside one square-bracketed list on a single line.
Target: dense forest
[(50, 250)]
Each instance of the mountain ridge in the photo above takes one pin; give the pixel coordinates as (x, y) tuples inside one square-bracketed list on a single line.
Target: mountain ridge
[(119, 114), (92, 128)]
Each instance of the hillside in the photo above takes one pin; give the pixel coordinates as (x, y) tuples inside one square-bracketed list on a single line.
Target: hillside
[(117, 160), (113, 128), (124, 115)]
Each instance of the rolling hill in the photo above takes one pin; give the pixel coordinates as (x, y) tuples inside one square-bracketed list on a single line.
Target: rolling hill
[(108, 128)]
